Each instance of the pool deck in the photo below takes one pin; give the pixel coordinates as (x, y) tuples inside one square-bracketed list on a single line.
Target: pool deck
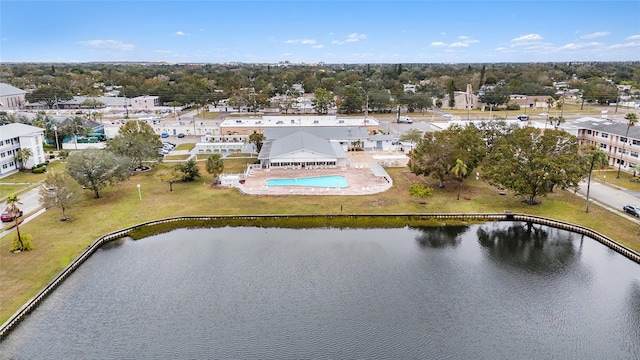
[(360, 180)]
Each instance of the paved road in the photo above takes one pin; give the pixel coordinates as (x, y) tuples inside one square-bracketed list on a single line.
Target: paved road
[(30, 206), (610, 197)]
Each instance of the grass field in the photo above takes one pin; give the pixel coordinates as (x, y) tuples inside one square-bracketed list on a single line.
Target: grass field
[(57, 243)]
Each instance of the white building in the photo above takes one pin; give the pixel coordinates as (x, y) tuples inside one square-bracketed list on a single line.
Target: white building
[(145, 103), (14, 137), (11, 98)]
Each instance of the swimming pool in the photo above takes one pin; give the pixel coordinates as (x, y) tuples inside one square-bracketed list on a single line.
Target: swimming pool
[(334, 181)]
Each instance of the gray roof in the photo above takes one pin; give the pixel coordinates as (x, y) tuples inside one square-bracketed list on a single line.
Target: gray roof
[(14, 130), (7, 90), (300, 141), (611, 128), (381, 137), (328, 132)]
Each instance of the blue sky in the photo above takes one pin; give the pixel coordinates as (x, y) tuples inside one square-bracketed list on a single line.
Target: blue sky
[(313, 31)]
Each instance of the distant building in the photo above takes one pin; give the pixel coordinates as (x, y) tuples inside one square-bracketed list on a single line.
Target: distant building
[(409, 88), (250, 125), (11, 98), (14, 137), (145, 103), (463, 101)]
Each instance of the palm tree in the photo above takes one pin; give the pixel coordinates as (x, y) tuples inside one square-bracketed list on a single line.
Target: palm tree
[(22, 156), (459, 171), (214, 166), (632, 119), (593, 159), (15, 212), (556, 121)]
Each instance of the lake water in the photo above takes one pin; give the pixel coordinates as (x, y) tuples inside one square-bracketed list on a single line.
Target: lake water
[(493, 291)]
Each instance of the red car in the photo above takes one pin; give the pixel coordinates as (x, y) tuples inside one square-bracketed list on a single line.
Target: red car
[(5, 217)]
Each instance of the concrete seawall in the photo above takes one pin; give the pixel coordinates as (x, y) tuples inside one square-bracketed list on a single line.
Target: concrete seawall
[(16, 318)]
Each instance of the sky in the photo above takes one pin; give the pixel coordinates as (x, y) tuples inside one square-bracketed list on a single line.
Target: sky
[(300, 31)]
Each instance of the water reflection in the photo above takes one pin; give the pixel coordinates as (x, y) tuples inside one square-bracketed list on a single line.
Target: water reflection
[(438, 237), (529, 246)]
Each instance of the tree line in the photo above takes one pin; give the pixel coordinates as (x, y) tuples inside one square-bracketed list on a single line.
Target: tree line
[(252, 85)]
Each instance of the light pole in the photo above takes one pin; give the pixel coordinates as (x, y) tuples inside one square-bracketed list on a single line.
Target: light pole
[(139, 192), (55, 133)]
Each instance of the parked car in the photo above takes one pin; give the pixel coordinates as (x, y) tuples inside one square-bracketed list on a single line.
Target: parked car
[(544, 114), (164, 135), (181, 135), (5, 217), (523, 117), (632, 209)]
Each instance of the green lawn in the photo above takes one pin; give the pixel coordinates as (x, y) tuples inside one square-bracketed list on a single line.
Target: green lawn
[(57, 243)]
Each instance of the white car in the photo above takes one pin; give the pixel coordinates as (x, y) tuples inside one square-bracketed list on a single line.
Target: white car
[(544, 114)]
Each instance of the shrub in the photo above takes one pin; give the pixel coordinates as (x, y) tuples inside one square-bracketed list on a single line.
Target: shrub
[(39, 170), (26, 245), (513, 107)]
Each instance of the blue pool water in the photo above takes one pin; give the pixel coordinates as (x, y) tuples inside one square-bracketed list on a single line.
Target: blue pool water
[(334, 181)]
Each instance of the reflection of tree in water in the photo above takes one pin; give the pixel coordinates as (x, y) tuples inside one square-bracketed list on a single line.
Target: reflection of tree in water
[(442, 236), (526, 245)]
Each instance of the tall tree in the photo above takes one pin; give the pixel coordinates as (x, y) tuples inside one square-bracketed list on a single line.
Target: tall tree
[(322, 101), (137, 141), (215, 167), (59, 190), (432, 156), (451, 88), (351, 100), (21, 243), (498, 96), (632, 120), (50, 95), (556, 121), (257, 139), (95, 169), (592, 159), (459, 170), (528, 160)]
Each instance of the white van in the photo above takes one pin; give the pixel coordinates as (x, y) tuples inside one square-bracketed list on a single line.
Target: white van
[(405, 120)]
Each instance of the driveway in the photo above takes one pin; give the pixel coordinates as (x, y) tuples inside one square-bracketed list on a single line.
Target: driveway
[(30, 207)]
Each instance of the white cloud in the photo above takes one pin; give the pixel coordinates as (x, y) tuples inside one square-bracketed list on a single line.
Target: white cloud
[(443, 33), (355, 37), (595, 35), (633, 37), (527, 38), (463, 37), (337, 42), (458, 44), (577, 46), (180, 33), (317, 46), (438, 44), (108, 44), (287, 54), (303, 41), (626, 45)]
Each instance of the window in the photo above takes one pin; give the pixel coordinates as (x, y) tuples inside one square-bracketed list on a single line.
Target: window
[(622, 151), (620, 161), (635, 142), (623, 139), (605, 135), (603, 146), (589, 132), (634, 154)]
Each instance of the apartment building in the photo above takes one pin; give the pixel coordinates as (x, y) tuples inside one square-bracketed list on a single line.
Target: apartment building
[(623, 151), (14, 137)]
